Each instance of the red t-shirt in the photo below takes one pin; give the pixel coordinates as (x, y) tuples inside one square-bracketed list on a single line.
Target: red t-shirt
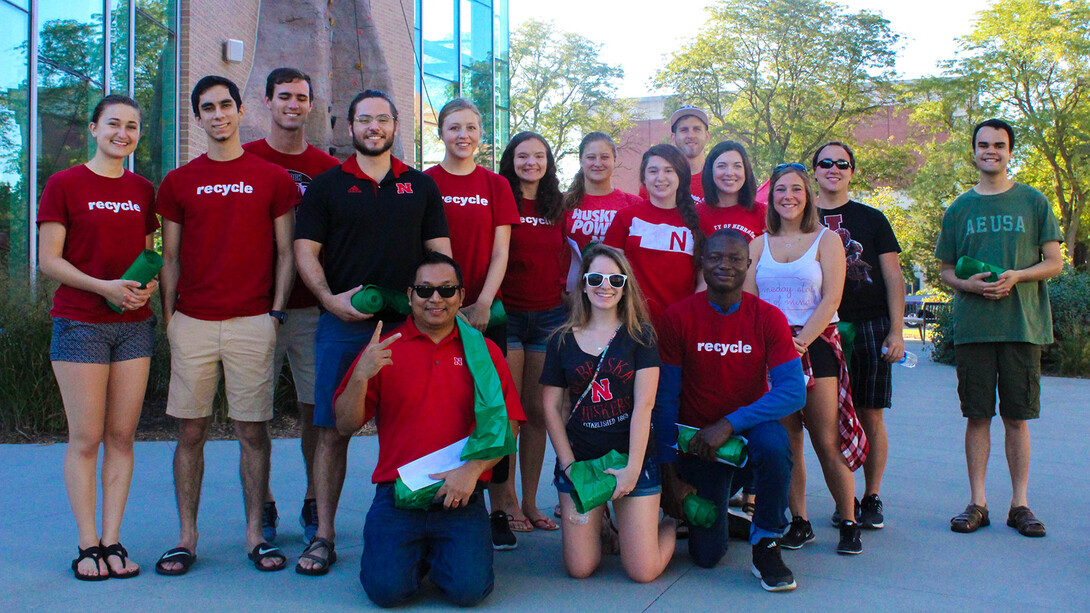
[(696, 188), (724, 359), (424, 400), (302, 167), (106, 223), (475, 204), (228, 250), (538, 263), (660, 248), (589, 223), (750, 223)]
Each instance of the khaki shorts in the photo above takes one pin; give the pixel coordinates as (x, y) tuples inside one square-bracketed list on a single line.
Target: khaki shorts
[(1013, 368), (243, 345), (295, 339)]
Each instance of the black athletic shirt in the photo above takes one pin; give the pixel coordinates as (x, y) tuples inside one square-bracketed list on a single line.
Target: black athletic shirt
[(866, 234)]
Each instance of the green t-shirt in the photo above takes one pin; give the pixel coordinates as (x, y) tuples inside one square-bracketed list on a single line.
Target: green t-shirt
[(1006, 230)]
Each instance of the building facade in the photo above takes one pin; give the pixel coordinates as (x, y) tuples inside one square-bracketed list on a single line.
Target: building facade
[(59, 57)]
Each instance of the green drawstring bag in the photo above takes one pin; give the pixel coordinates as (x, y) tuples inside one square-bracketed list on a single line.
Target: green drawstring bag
[(847, 340), (592, 485), (497, 315), (700, 512), (732, 452), (492, 436), (406, 499), (143, 269), (373, 299), (967, 267)]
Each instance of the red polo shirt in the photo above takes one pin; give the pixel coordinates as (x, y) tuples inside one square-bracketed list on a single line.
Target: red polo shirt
[(424, 400)]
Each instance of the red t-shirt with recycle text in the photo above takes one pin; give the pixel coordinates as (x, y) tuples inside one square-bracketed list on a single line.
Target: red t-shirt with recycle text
[(106, 222), (538, 263), (228, 251), (475, 204)]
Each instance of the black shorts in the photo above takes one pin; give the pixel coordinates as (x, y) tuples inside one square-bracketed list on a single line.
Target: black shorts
[(823, 361)]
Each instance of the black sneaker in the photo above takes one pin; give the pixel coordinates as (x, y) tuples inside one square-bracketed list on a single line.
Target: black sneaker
[(768, 566), (738, 524), (269, 520), (798, 534), (502, 537), (850, 544), (836, 515), (870, 517), (308, 519)]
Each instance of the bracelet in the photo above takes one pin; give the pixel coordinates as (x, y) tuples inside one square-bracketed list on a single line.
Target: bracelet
[(565, 469)]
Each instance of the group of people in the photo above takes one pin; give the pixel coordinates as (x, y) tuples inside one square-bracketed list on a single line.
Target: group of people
[(706, 301)]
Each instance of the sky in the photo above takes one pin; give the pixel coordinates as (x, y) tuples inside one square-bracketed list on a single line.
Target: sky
[(638, 40)]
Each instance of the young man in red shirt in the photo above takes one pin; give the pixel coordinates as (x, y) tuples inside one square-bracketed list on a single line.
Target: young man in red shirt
[(372, 218), (227, 270), (289, 96), (418, 385), (719, 350)]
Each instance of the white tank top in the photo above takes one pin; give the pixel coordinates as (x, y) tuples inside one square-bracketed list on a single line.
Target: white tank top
[(793, 287)]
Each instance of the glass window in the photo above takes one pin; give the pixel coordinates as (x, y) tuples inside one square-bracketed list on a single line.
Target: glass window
[(156, 90), (437, 92), (119, 47), (502, 31), (440, 57), (14, 126), (476, 34)]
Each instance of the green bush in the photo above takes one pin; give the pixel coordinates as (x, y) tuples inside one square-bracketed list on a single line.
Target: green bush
[(1069, 297)]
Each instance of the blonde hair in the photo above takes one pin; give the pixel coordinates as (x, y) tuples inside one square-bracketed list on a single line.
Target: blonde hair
[(631, 310), (458, 104)]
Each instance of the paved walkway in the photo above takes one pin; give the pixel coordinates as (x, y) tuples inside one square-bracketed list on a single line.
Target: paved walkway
[(914, 564)]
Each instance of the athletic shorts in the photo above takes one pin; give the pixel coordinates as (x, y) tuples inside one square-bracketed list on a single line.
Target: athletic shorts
[(530, 330), (88, 343), (871, 376), (295, 339), (823, 361), (649, 482), (1013, 368), (243, 345)]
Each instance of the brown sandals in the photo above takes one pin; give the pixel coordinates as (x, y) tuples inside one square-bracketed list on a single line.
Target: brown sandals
[(971, 519), (1027, 524)]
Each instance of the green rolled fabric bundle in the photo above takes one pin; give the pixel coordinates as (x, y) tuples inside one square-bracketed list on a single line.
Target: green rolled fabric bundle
[(497, 315), (847, 340), (700, 512), (732, 452), (492, 436), (374, 299), (592, 485), (143, 269), (967, 267), (421, 499)]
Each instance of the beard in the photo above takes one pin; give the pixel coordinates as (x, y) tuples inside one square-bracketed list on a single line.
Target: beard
[(360, 144)]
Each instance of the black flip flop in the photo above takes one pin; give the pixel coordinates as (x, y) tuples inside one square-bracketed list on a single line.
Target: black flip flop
[(93, 552), (117, 550), (180, 555), (264, 551)]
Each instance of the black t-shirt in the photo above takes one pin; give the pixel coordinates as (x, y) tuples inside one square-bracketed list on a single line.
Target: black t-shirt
[(601, 422), (866, 234), (371, 234)]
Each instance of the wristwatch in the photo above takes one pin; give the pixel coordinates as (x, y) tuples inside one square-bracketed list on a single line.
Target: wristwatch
[(279, 315)]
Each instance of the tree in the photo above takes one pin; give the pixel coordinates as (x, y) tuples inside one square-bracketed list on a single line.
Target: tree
[(561, 90), (1031, 60), (783, 76)]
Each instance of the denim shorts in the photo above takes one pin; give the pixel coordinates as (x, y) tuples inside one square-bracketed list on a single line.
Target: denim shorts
[(648, 484), (88, 343), (530, 330)]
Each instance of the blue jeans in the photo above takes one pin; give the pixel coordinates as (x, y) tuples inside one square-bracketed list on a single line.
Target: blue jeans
[(770, 463), (399, 547), (336, 345)]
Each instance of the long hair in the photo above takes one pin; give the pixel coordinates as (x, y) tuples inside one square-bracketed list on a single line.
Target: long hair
[(574, 198), (683, 199), (549, 198), (747, 195), (809, 213), (631, 310)]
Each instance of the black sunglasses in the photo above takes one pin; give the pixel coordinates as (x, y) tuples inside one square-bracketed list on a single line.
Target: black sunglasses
[(828, 163), (596, 279), (794, 165), (445, 291)]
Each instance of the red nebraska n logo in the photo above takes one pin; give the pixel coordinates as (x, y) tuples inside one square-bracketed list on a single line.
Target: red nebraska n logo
[(404, 188), (679, 238), (599, 391)]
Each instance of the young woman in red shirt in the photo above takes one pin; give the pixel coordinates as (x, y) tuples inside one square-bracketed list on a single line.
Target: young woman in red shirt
[(592, 202), (94, 220), (730, 190)]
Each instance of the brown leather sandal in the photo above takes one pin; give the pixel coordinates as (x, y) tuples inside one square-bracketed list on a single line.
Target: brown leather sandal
[(1025, 522), (971, 519)]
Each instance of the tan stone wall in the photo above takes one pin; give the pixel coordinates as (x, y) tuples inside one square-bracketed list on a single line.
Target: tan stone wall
[(395, 33), (203, 27)]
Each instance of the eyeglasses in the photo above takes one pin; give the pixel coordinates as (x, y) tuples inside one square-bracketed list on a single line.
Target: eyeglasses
[(383, 120), (596, 279), (445, 291), (828, 163), (794, 165)]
